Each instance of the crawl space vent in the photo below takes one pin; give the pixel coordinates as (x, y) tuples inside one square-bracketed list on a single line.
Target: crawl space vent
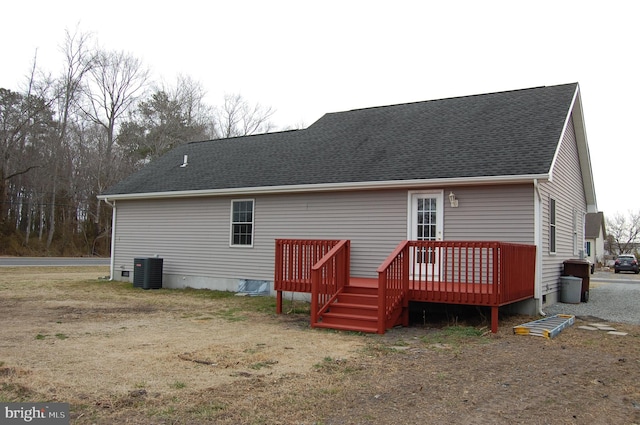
[(253, 288)]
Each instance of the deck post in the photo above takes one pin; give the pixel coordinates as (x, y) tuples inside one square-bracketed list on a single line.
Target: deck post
[(277, 278), (405, 286), (278, 302), (382, 305), (315, 284), (494, 319)]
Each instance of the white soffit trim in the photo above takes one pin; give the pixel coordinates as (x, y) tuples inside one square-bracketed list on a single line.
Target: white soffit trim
[(332, 187)]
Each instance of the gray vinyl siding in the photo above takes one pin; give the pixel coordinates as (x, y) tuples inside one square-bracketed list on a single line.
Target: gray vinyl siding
[(491, 213), (192, 234), (567, 189), (374, 221)]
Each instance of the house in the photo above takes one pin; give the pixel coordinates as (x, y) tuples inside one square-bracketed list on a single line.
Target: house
[(511, 167), (594, 237)]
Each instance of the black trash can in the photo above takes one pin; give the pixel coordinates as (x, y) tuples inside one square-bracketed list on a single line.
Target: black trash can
[(147, 273), (581, 269)]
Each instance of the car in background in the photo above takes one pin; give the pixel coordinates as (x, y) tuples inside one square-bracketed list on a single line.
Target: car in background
[(626, 263)]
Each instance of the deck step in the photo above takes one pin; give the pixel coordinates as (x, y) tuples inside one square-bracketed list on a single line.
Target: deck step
[(338, 327), (354, 309), (356, 320), (360, 299), (364, 290)]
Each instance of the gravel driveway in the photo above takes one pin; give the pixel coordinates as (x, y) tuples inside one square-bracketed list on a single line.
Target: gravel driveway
[(612, 298)]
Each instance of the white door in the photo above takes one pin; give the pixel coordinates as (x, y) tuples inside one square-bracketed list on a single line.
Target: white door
[(425, 224)]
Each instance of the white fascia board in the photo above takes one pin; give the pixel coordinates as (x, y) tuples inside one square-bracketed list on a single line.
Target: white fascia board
[(584, 156), (567, 120), (332, 187), (576, 116)]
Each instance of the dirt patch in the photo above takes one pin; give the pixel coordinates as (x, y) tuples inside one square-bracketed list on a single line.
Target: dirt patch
[(124, 355)]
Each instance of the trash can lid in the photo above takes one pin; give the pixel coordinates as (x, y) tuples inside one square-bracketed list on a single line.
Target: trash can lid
[(575, 261), (570, 278)]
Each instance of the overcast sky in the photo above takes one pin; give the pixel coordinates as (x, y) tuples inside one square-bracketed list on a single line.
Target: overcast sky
[(306, 58)]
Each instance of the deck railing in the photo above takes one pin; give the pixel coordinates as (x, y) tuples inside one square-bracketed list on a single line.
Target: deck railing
[(294, 260), (393, 285), (328, 277), (473, 273), (518, 269), (463, 272)]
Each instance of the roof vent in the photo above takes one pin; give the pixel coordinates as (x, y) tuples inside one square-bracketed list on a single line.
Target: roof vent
[(185, 161)]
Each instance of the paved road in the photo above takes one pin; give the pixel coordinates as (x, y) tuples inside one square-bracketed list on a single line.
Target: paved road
[(612, 297), (53, 261)]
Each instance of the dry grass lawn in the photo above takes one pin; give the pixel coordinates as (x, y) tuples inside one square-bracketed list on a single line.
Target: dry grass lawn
[(124, 355)]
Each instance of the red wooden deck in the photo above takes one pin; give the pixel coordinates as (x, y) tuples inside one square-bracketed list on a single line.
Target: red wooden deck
[(489, 274)]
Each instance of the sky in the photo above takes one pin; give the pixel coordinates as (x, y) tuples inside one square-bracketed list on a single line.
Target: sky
[(308, 58)]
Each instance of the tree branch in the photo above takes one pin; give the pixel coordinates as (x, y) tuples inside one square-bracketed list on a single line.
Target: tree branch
[(18, 173)]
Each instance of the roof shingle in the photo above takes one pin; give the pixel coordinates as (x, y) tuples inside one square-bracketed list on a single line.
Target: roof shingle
[(499, 134)]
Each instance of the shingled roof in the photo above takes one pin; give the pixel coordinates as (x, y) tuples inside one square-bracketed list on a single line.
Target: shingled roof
[(594, 223), (513, 133)]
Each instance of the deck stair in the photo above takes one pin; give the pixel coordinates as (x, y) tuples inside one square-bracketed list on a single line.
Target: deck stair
[(355, 309), (548, 327), (477, 273)]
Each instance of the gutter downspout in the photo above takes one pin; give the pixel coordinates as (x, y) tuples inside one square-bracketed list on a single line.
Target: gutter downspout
[(538, 242), (112, 265)]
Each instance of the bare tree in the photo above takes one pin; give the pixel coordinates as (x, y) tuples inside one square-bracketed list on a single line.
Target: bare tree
[(189, 94), (116, 81), (87, 139), (64, 140), (25, 121), (170, 117), (297, 126), (79, 61), (623, 232), (237, 117)]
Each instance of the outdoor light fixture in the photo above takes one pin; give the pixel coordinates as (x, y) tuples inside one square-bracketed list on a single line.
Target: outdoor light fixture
[(453, 200)]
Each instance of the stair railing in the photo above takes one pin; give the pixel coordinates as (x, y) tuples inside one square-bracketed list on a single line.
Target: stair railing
[(328, 277), (393, 286)]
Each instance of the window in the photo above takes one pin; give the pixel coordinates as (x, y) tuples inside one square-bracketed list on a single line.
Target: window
[(552, 225), (587, 248), (426, 227), (242, 223)]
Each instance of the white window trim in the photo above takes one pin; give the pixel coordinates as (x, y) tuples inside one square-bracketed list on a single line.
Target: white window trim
[(439, 195), (253, 222)]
